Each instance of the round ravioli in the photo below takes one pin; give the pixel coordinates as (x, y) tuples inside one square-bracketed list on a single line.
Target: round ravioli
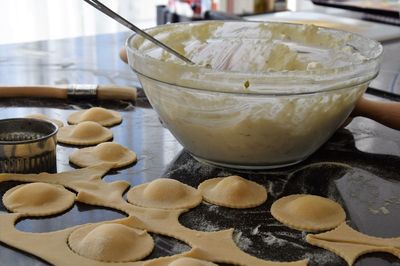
[(107, 152), (45, 117), (85, 133), (308, 212), (100, 115), (164, 193), (233, 192), (111, 242), (38, 199)]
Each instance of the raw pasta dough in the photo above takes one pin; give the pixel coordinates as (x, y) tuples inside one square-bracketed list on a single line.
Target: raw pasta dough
[(308, 212), (350, 244), (233, 192), (100, 115), (217, 246), (164, 193), (190, 262), (111, 242), (85, 133), (38, 199), (45, 117), (109, 152)]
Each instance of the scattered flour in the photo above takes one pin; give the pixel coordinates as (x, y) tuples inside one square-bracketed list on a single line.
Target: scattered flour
[(321, 257), (255, 230), (241, 241), (270, 239)]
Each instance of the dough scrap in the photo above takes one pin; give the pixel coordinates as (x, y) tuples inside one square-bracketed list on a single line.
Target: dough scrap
[(110, 152), (38, 199), (85, 133), (190, 262), (308, 212), (351, 244), (164, 193), (111, 242), (233, 192), (59, 123), (104, 117)]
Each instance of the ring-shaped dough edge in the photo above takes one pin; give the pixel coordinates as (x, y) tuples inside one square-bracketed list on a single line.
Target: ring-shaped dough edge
[(62, 136), (207, 185), (66, 202), (191, 199), (86, 157), (278, 211), (116, 118), (80, 233)]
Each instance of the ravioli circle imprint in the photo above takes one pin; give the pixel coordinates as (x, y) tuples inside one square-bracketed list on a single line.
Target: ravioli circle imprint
[(111, 242), (100, 115), (85, 133), (38, 199), (190, 262), (308, 212), (233, 192), (164, 193), (45, 117), (103, 152)]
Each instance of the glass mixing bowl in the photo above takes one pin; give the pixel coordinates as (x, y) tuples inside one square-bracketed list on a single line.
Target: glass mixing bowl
[(244, 117)]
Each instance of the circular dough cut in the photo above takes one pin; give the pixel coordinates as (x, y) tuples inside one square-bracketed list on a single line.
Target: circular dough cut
[(103, 153), (233, 192), (45, 117), (308, 212), (190, 262), (100, 115), (85, 133), (164, 193), (111, 242), (38, 199)]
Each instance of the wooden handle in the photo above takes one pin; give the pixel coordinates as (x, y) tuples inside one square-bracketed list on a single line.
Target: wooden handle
[(123, 55), (111, 92), (59, 92), (386, 113)]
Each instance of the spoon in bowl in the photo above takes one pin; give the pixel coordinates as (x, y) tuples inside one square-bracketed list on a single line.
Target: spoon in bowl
[(104, 9)]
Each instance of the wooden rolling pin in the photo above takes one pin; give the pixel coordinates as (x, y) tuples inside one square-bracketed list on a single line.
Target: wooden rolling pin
[(101, 92), (386, 113)]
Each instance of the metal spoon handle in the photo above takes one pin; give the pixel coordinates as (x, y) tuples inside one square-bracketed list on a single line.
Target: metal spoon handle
[(104, 9)]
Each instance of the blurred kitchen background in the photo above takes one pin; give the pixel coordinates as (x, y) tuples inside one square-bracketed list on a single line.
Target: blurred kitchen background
[(32, 20)]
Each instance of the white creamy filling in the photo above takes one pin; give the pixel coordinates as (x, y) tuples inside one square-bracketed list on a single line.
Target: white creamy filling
[(258, 48)]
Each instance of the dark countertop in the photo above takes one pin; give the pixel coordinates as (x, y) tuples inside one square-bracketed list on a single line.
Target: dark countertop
[(358, 166)]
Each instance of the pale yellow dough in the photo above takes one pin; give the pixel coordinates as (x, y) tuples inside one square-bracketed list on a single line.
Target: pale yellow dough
[(233, 192), (85, 133), (100, 115), (308, 212), (350, 244), (164, 193), (45, 117), (38, 199), (109, 152), (111, 242), (191, 262), (217, 246)]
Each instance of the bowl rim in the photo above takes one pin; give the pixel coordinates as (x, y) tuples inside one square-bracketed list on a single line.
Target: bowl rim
[(308, 74)]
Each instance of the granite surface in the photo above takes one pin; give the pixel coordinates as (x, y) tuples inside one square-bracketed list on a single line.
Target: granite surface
[(358, 166)]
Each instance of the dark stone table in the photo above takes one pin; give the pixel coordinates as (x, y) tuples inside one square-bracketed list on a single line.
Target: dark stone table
[(358, 167)]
